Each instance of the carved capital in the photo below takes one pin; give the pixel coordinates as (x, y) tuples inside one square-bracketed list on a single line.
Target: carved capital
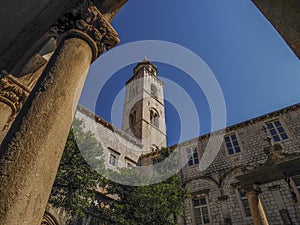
[(12, 94), (255, 188), (86, 22)]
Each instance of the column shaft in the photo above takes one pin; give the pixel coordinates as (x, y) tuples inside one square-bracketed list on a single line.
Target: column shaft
[(256, 208), (33, 156), (30, 153)]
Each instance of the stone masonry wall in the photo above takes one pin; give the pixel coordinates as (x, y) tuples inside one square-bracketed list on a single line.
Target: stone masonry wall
[(114, 141), (219, 178)]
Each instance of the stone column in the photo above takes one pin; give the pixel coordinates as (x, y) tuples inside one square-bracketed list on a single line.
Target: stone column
[(12, 96), (257, 211), (31, 151), (15, 90)]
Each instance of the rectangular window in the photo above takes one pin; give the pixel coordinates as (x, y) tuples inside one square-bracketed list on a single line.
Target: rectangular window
[(129, 166), (232, 144), (112, 160), (201, 212), (245, 203), (192, 155), (277, 131)]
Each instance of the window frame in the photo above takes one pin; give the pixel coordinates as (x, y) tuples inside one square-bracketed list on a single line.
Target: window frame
[(130, 164), (132, 118), (154, 118), (201, 207), (193, 160), (114, 153), (233, 146), (246, 207), (278, 133), (111, 155)]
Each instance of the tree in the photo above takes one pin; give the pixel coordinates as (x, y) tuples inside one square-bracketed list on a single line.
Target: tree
[(75, 188), (75, 181), (160, 203)]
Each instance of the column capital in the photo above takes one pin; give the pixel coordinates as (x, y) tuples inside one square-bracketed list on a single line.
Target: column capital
[(86, 22), (12, 93), (255, 188)]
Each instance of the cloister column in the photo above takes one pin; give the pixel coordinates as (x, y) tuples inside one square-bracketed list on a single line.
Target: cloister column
[(32, 149), (12, 96), (257, 211)]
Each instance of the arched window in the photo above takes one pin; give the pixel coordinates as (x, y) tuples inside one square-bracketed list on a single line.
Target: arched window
[(154, 148), (153, 90), (154, 118), (132, 118)]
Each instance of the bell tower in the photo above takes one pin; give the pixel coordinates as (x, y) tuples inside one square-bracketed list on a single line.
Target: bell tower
[(144, 109)]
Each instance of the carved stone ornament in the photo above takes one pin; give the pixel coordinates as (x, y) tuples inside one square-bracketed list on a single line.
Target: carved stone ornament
[(48, 220), (12, 94), (85, 19)]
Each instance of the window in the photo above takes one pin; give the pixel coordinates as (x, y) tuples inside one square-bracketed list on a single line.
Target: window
[(245, 203), (192, 155), (112, 160), (232, 144), (153, 90), (154, 148), (132, 118), (201, 213), (129, 166), (154, 118), (277, 131)]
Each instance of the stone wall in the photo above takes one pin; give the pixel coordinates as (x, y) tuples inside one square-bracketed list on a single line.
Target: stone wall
[(113, 140), (285, 17), (218, 182)]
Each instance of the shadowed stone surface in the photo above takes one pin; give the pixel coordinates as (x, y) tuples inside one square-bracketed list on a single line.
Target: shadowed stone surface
[(39, 144), (285, 17)]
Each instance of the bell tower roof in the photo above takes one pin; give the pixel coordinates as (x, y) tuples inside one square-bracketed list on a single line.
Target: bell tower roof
[(146, 66)]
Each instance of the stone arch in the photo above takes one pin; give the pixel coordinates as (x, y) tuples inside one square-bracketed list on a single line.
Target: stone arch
[(154, 148), (229, 177), (154, 117), (132, 117)]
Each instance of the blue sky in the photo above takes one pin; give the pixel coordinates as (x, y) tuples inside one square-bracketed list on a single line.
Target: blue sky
[(254, 67)]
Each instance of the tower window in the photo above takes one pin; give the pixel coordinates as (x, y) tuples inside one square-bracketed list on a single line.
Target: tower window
[(132, 118), (153, 90), (154, 118), (277, 131), (154, 148)]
